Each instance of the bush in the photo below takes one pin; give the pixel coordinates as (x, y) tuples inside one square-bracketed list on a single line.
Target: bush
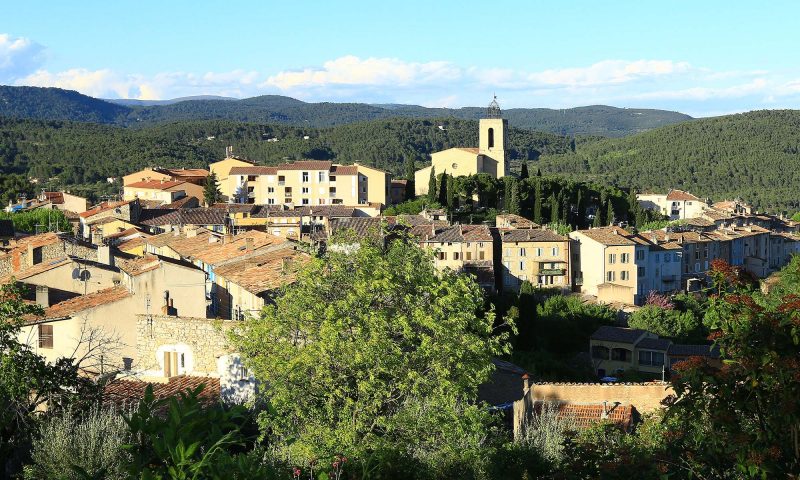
[(675, 324), (76, 446)]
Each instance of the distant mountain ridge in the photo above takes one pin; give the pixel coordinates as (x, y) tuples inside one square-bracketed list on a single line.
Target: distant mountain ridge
[(37, 103)]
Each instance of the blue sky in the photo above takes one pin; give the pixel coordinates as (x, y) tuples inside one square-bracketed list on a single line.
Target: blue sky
[(699, 57)]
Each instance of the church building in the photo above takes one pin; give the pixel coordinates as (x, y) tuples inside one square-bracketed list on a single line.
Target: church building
[(490, 157)]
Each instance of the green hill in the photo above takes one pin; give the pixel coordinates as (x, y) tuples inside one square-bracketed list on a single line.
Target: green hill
[(85, 154), (755, 155), (57, 104)]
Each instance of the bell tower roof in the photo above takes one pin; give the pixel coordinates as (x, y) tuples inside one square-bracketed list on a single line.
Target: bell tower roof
[(494, 109)]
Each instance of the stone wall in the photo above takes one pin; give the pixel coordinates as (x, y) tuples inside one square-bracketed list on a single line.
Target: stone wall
[(644, 397), (17, 258), (205, 339)]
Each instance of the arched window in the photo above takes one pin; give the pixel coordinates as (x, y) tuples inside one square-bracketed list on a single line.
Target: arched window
[(491, 138)]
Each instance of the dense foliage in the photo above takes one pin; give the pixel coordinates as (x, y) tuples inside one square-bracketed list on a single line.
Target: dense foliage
[(38, 221), (754, 155), (57, 104), (374, 354)]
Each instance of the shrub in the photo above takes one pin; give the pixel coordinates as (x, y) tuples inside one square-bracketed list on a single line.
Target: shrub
[(76, 445)]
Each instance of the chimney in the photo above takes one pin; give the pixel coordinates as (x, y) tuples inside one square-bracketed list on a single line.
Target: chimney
[(248, 244), (42, 296), (29, 259), (97, 238), (190, 232), (104, 255)]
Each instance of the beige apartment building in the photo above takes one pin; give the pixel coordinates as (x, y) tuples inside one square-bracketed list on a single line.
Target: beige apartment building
[(490, 157), (676, 204), (164, 191), (607, 263), (461, 248), (539, 256), (307, 183)]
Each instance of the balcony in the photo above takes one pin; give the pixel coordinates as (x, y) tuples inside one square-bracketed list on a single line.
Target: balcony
[(553, 271)]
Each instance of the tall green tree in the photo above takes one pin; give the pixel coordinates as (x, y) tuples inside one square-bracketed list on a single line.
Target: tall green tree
[(442, 196), (514, 202), (537, 205), (211, 192), (523, 174), (610, 213), (581, 209), (554, 209), (450, 193), (374, 353), (410, 169), (432, 190)]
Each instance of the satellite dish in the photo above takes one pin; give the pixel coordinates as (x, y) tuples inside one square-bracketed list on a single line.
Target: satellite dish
[(76, 273), (85, 275)]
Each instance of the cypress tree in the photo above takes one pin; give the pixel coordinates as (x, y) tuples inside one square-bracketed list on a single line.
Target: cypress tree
[(450, 194), (578, 207), (432, 186), (506, 193), (523, 174), (211, 192), (553, 209), (537, 205), (610, 214), (514, 201), (598, 220), (443, 189), (409, 173)]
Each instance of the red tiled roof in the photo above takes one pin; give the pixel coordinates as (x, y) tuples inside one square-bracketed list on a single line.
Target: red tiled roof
[(103, 207), (137, 266), (54, 197), (344, 170), (81, 303), (124, 392), (307, 165), (679, 195), (608, 235), (155, 184), (131, 244), (187, 172), (254, 170)]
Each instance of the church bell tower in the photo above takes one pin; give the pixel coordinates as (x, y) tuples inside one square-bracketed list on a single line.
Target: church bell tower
[(493, 138)]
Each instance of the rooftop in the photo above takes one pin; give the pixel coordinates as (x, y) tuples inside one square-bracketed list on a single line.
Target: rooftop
[(532, 235), (84, 302), (155, 184), (103, 207), (267, 272), (608, 235), (617, 334), (128, 392), (680, 195)]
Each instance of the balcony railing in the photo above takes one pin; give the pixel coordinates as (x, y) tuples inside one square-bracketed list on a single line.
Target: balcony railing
[(553, 271)]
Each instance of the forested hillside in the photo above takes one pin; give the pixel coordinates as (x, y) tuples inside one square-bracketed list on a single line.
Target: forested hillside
[(83, 154), (755, 155), (56, 104)]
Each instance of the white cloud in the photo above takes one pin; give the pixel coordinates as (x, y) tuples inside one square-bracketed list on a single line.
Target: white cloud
[(109, 84), (18, 56), (757, 86), (608, 72), (351, 70)]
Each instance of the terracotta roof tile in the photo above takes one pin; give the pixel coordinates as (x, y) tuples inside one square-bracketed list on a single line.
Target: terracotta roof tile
[(84, 302), (254, 170), (139, 265), (344, 170), (103, 207), (265, 273), (128, 392), (532, 235), (585, 415), (155, 184), (680, 195), (307, 165), (609, 235), (131, 244)]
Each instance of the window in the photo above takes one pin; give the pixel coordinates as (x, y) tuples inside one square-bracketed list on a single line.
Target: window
[(270, 189), (522, 265), (45, 336), (539, 252), (270, 201), (332, 178), (658, 257), (442, 255), (641, 272), (610, 276), (621, 355), (480, 255), (508, 252), (491, 137), (640, 255), (305, 190), (480, 244), (321, 177), (697, 254), (251, 178), (677, 257), (696, 267), (522, 252), (625, 258), (306, 201), (364, 189), (469, 255), (612, 258), (305, 177), (623, 275), (599, 352), (655, 359), (555, 251), (281, 180), (455, 255), (667, 257)]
